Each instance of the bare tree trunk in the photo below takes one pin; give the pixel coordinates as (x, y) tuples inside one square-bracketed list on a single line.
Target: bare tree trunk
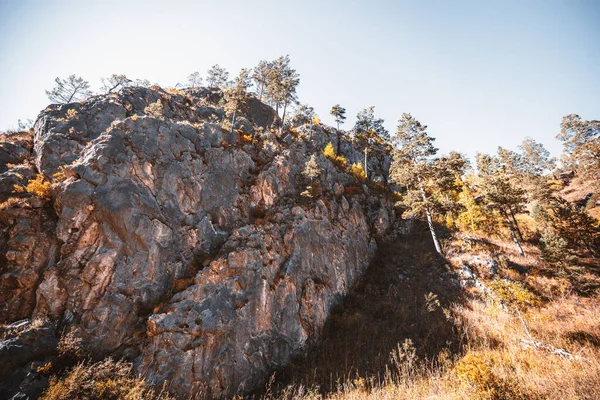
[(283, 116), (512, 214), (366, 159), (232, 121), (262, 88), (284, 111), (436, 242), (451, 213), (513, 233)]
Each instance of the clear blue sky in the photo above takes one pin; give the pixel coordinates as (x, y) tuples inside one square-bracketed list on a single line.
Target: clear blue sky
[(478, 73)]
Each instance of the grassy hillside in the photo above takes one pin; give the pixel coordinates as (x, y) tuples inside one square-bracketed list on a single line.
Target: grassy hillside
[(515, 329)]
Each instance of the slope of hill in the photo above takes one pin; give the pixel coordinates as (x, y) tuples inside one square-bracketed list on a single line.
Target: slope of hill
[(490, 324)]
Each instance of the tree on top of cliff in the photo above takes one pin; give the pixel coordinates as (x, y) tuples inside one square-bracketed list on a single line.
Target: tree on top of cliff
[(143, 83), (237, 95), (217, 77), (339, 113), (70, 90), (261, 75), (115, 82), (282, 84), (369, 131), (194, 80), (304, 114)]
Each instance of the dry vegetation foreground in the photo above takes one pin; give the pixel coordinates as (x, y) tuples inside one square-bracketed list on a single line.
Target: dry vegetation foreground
[(512, 329), (486, 324)]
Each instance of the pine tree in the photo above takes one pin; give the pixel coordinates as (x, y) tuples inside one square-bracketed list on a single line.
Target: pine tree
[(536, 159), (217, 77), (576, 226), (282, 84), (236, 96), (501, 194), (581, 145), (261, 75), (312, 172), (413, 168), (369, 132), (194, 80), (339, 113), (115, 82), (449, 171), (304, 115), (70, 90)]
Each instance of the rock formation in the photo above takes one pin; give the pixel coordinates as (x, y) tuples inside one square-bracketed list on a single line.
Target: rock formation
[(178, 244)]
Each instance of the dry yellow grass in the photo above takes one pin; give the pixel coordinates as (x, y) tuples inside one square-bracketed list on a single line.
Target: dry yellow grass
[(107, 379), (526, 335)]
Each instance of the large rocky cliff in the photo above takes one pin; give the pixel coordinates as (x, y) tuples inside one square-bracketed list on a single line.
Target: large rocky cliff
[(174, 243)]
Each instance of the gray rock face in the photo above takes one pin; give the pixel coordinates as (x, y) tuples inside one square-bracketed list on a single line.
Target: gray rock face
[(259, 303), (24, 342), (29, 245), (181, 245), (15, 148), (144, 200), (26, 345)]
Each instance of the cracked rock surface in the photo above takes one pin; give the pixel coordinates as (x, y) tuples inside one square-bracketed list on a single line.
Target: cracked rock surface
[(179, 244)]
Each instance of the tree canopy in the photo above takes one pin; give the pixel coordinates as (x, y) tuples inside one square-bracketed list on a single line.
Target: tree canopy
[(69, 90)]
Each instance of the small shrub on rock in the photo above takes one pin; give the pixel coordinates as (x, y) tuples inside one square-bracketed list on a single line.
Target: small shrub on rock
[(155, 109), (358, 172), (38, 187)]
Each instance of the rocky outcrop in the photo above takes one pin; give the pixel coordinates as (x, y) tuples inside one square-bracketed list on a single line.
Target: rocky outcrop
[(28, 247), (179, 244), (260, 302), (26, 345)]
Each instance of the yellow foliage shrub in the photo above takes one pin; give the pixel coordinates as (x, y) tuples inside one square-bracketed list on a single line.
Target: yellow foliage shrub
[(37, 187), (71, 113), (476, 369), (70, 344), (329, 152), (555, 184), (245, 137), (45, 369), (341, 162), (175, 91), (154, 109), (513, 293), (106, 379), (9, 203), (60, 176), (358, 171)]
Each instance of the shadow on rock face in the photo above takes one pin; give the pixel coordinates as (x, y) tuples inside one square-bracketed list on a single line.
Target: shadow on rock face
[(386, 307)]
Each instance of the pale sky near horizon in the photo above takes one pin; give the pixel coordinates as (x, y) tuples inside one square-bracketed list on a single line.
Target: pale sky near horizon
[(480, 74)]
